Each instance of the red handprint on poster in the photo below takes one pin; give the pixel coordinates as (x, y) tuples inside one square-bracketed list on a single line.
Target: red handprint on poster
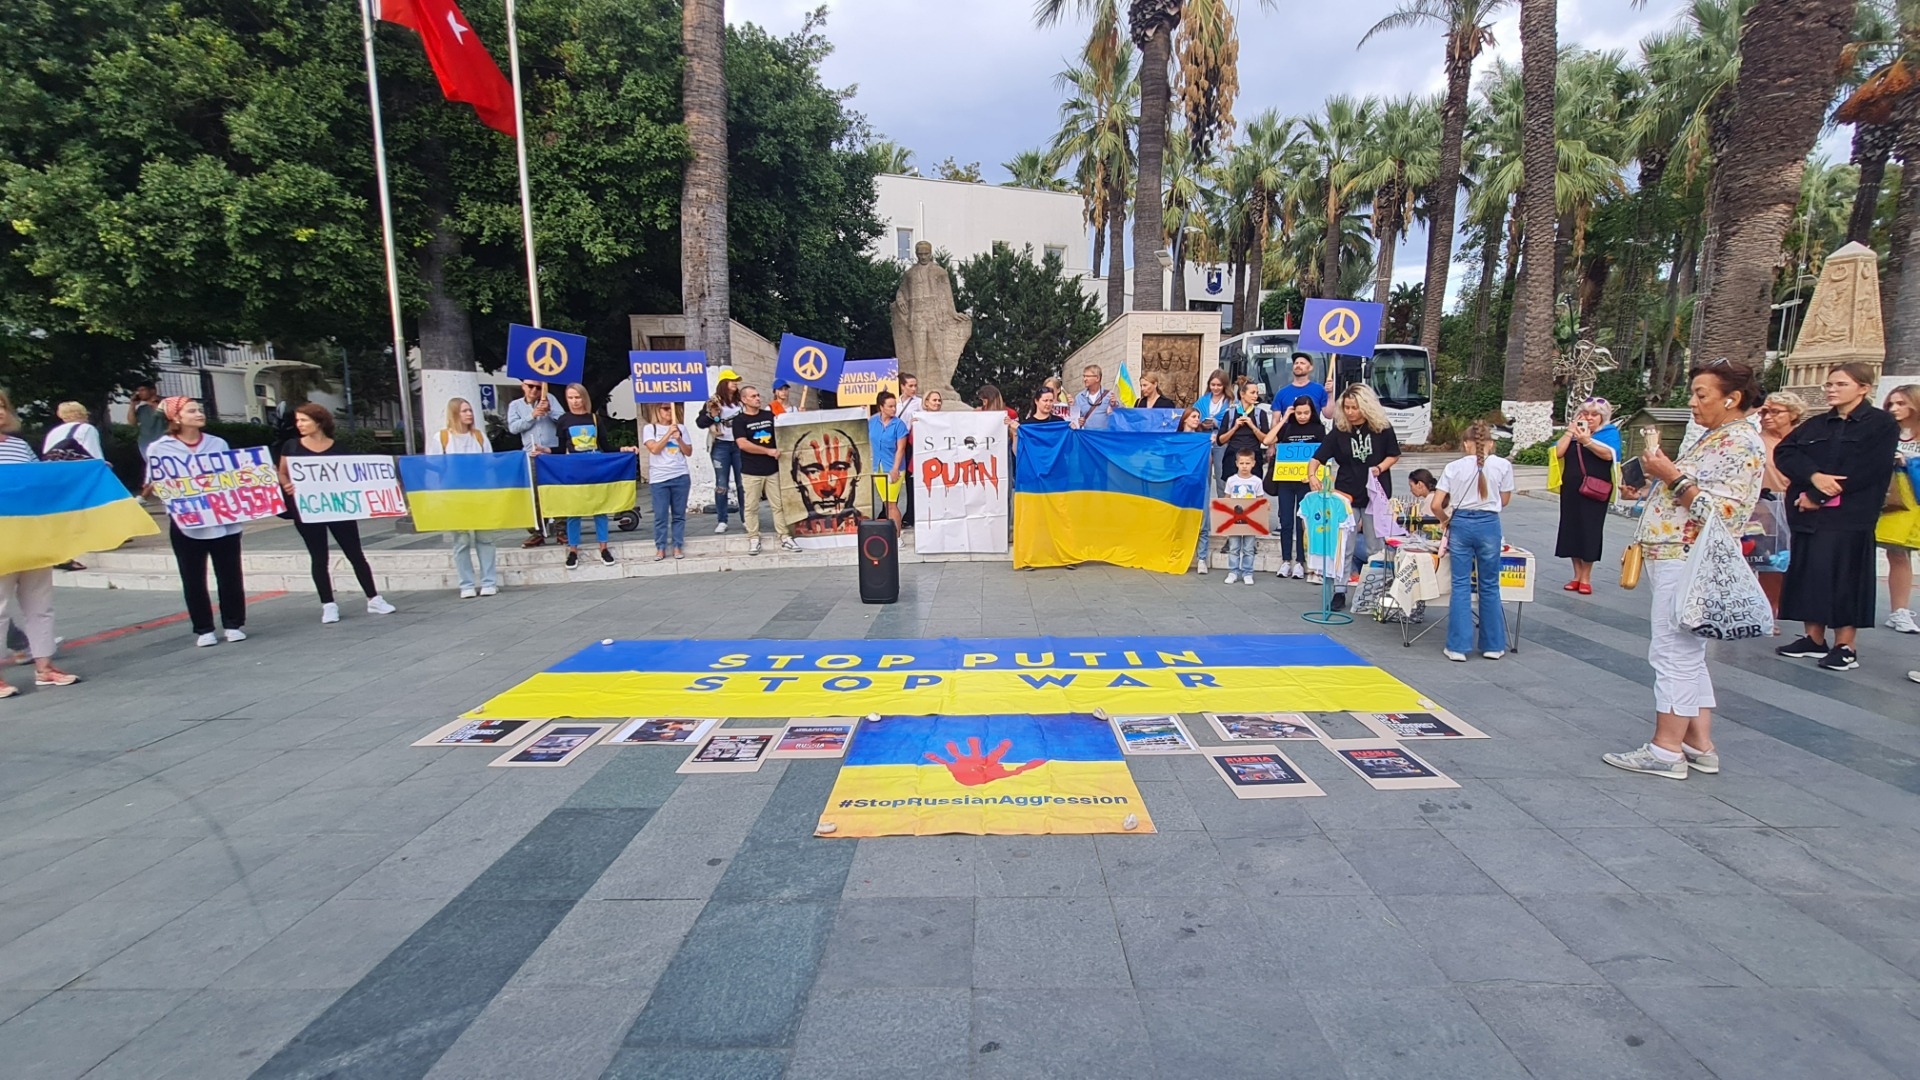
[(972, 770)]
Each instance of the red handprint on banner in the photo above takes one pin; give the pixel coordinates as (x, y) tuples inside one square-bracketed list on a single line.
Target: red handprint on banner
[(973, 770)]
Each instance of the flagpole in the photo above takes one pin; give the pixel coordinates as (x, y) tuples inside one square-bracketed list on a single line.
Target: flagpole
[(520, 149), (386, 229)]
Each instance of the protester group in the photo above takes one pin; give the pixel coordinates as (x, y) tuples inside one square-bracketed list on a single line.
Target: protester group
[(1807, 500)]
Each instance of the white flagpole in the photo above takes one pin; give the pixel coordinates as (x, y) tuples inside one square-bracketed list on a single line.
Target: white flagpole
[(520, 148), (386, 229)]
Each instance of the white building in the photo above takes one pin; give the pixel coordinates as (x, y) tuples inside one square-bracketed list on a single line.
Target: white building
[(966, 219)]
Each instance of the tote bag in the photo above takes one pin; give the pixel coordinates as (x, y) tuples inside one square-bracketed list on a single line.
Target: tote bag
[(1719, 597)]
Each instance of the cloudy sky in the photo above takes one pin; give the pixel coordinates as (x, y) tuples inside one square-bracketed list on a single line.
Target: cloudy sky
[(974, 79)]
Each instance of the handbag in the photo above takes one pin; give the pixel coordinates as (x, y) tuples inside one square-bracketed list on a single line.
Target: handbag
[(1719, 597), (1631, 563), (1592, 487), (1897, 493)]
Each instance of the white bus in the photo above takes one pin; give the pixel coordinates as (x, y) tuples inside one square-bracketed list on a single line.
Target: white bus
[(1402, 375)]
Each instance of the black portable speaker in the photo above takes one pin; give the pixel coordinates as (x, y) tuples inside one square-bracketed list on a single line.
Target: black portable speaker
[(879, 557)]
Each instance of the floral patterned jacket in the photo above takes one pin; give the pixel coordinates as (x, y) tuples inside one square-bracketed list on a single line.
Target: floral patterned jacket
[(1728, 464)]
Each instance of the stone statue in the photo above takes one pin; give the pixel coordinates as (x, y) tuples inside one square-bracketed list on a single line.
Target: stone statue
[(928, 333), (1843, 323)]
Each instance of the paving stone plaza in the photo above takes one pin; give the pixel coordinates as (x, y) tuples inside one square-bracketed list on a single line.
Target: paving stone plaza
[(232, 863)]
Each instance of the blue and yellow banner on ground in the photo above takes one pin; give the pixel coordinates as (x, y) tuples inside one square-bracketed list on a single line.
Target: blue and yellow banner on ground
[(1108, 496), (957, 677), (582, 485), (51, 511), (459, 492), (1004, 774)]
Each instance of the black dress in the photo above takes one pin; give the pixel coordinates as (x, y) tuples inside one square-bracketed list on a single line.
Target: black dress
[(1583, 521), (1831, 571)]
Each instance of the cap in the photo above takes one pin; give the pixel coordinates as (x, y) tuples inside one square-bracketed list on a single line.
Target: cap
[(780, 384), (725, 374)]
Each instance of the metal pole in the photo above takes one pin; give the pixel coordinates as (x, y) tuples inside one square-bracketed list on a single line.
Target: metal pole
[(520, 149), (386, 229)]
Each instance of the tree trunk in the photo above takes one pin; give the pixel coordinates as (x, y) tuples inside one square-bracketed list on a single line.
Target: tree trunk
[(1257, 266), (1446, 194), (1679, 285), (1529, 382), (1789, 65), (1116, 257), (1872, 143), (1383, 263), (1483, 304), (446, 330), (1330, 246), (1509, 276), (1903, 307), (704, 289), (1149, 235), (1099, 241), (1179, 279)]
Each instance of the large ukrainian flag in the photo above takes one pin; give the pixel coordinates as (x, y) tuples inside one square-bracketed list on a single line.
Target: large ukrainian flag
[(582, 485), (986, 775), (51, 511), (1126, 498), (458, 492)]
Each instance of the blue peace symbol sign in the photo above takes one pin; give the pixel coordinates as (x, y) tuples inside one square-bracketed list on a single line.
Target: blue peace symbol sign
[(810, 363), (547, 355), (1339, 327)]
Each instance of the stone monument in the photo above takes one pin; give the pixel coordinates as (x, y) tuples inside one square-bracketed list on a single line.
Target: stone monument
[(928, 333), (1842, 326)]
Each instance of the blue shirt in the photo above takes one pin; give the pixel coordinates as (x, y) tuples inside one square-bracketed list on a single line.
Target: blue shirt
[(885, 439), (1283, 398), (1093, 409)]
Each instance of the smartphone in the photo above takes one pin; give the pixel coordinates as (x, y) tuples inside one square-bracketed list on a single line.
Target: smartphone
[(1633, 474)]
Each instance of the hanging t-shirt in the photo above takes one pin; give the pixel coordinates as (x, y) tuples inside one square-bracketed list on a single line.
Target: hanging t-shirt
[(1328, 515), (579, 433), (758, 430)]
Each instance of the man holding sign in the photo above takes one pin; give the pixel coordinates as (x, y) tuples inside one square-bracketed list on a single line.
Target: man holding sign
[(1346, 327)]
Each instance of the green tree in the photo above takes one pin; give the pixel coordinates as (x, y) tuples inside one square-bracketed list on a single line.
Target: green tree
[(892, 158), (1028, 317), (1035, 169), (1398, 161), (1096, 139), (953, 170)]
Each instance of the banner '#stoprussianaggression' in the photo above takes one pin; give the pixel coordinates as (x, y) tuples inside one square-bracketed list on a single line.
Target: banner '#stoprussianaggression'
[(956, 676)]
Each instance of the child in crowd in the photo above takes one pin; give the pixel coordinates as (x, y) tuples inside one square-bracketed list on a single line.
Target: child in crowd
[(1416, 511), (1190, 422), (1240, 549)]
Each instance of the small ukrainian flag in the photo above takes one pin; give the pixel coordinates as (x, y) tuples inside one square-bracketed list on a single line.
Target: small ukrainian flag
[(1123, 387), (51, 511), (459, 492), (582, 485)]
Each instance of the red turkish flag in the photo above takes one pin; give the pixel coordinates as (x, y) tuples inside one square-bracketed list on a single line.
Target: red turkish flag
[(466, 70)]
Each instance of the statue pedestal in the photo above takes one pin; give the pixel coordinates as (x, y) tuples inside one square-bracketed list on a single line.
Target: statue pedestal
[(1842, 326)]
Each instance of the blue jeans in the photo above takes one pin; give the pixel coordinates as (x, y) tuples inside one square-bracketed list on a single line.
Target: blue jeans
[(1473, 542), (470, 548), (599, 530), (726, 468), (1286, 523), (670, 511), (1240, 554)]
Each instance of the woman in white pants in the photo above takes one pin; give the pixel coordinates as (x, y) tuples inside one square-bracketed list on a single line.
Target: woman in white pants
[(463, 436), (26, 596), (1719, 475)]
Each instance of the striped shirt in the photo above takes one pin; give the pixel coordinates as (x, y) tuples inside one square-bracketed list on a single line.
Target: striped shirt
[(14, 450)]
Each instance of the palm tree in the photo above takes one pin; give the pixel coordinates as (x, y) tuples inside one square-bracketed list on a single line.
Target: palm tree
[(1528, 396), (1035, 169), (1468, 25), (1790, 54), (704, 295), (1208, 81), (1184, 180), (1398, 161), (1096, 130), (1327, 171), (1256, 172), (892, 158)]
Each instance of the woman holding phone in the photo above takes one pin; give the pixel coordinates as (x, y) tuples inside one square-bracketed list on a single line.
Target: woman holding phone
[(1586, 488)]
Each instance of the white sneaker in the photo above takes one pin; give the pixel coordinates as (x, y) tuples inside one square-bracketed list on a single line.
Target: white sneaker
[(788, 543), (1248, 578), (236, 635), (468, 593), (1299, 570), (720, 528), (378, 606), (206, 641), (329, 613), (1456, 657), (1495, 654), (1902, 621), (753, 545), (1232, 577), (1644, 760), (1200, 565), (489, 590)]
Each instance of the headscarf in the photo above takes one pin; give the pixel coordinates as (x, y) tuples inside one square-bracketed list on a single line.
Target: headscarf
[(172, 407)]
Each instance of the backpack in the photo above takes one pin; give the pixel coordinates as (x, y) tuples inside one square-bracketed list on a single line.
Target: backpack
[(67, 449)]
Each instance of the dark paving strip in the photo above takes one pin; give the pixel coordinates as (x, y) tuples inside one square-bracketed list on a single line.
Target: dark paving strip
[(398, 1020), (1840, 747), (729, 1002)]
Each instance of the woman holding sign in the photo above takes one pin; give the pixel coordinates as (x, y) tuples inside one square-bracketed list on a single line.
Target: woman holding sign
[(194, 546), (315, 425)]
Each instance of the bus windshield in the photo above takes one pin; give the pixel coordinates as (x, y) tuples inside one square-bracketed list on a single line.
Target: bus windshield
[(1268, 359), (1400, 378)]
